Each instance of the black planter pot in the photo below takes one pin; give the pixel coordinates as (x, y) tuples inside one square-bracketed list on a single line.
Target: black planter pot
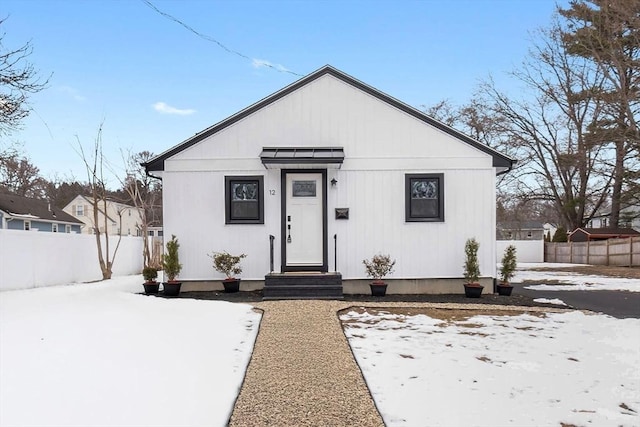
[(231, 286), (151, 287), (505, 290), (473, 291), (378, 289), (171, 289)]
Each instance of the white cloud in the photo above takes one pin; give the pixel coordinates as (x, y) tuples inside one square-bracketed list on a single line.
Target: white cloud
[(68, 90), (261, 63), (164, 108)]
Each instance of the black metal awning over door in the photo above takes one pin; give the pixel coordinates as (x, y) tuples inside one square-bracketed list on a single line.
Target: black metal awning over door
[(302, 157)]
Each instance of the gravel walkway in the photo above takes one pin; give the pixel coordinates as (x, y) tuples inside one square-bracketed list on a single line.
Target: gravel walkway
[(302, 371)]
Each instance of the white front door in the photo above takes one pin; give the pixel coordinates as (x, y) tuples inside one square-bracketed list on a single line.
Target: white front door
[(304, 220)]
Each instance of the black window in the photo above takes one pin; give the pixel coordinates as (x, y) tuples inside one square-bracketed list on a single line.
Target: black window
[(424, 197), (244, 199)]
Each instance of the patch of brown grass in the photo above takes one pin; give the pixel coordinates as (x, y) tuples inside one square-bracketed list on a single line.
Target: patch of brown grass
[(459, 317), (600, 270)]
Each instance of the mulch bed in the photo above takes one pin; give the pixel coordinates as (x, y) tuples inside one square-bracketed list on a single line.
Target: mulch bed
[(256, 296)]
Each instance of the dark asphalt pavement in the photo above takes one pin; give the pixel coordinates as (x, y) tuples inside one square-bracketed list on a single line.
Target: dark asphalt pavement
[(620, 304)]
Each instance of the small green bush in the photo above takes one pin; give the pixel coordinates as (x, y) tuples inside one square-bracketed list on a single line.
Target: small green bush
[(171, 260), (471, 266), (227, 264), (560, 235), (509, 264), (150, 274), (379, 266)]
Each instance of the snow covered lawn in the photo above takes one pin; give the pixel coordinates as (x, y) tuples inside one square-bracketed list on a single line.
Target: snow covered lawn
[(570, 281), (498, 369), (99, 355)]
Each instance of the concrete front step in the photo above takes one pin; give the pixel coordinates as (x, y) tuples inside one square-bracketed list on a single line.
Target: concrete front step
[(302, 286)]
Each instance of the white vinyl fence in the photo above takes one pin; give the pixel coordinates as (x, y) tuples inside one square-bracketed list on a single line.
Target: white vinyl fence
[(526, 250), (31, 259)]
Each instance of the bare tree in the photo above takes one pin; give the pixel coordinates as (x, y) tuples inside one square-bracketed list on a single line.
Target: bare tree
[(18, 79), (607, 32), (477, 120), (143, 192), (94, 164), (19, 176), (550, 129)]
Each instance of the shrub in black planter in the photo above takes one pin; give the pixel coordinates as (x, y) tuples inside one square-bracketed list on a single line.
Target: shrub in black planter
[(472, 287), (507, 271), (377, 268), (172, 267), (229, 265)]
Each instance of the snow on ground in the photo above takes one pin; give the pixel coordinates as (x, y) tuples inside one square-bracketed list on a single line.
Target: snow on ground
[(555, 301), (569, 281), (489, 370), (97, 354)]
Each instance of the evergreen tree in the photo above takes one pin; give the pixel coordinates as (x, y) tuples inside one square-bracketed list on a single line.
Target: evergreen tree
[(471, 265), (607, 32), (560, 235)]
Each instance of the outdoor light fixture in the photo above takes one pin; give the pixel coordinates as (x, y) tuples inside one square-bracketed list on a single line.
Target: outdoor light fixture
[(334, 182)]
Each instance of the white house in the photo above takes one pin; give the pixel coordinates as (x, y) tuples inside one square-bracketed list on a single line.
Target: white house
[(629, 218), (324, 173), (121, 219)]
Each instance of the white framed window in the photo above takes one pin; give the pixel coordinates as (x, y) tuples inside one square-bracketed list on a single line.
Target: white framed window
[(79, 210), (27, 225), (54, 228)]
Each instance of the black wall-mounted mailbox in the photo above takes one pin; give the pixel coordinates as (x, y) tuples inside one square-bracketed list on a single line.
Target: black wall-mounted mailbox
[(342, 213)]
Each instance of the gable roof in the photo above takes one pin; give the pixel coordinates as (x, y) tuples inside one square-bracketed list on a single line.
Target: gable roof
[(604, 233), (157, 163), (87, 199), (520, 225), (33, 209)]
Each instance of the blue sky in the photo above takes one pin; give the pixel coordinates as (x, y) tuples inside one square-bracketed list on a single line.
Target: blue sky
[(154, 83)]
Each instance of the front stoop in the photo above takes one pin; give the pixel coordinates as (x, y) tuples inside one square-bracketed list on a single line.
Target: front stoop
[(306, 285)]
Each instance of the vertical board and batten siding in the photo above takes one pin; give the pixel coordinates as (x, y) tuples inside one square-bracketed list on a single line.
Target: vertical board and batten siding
[(196, 215), (381, 145), (376, 224)]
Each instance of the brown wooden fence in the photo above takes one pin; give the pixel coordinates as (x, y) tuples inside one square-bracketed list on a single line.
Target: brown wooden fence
[(620, 252)]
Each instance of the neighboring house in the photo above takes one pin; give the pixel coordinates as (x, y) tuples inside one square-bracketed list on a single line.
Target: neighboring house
[(520, 230), (629, 218), (332, 171), (121, 219), (590, 234), (155, 231), (23, 213)]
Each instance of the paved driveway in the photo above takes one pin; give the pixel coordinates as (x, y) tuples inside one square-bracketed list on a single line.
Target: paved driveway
[(620, 304)]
